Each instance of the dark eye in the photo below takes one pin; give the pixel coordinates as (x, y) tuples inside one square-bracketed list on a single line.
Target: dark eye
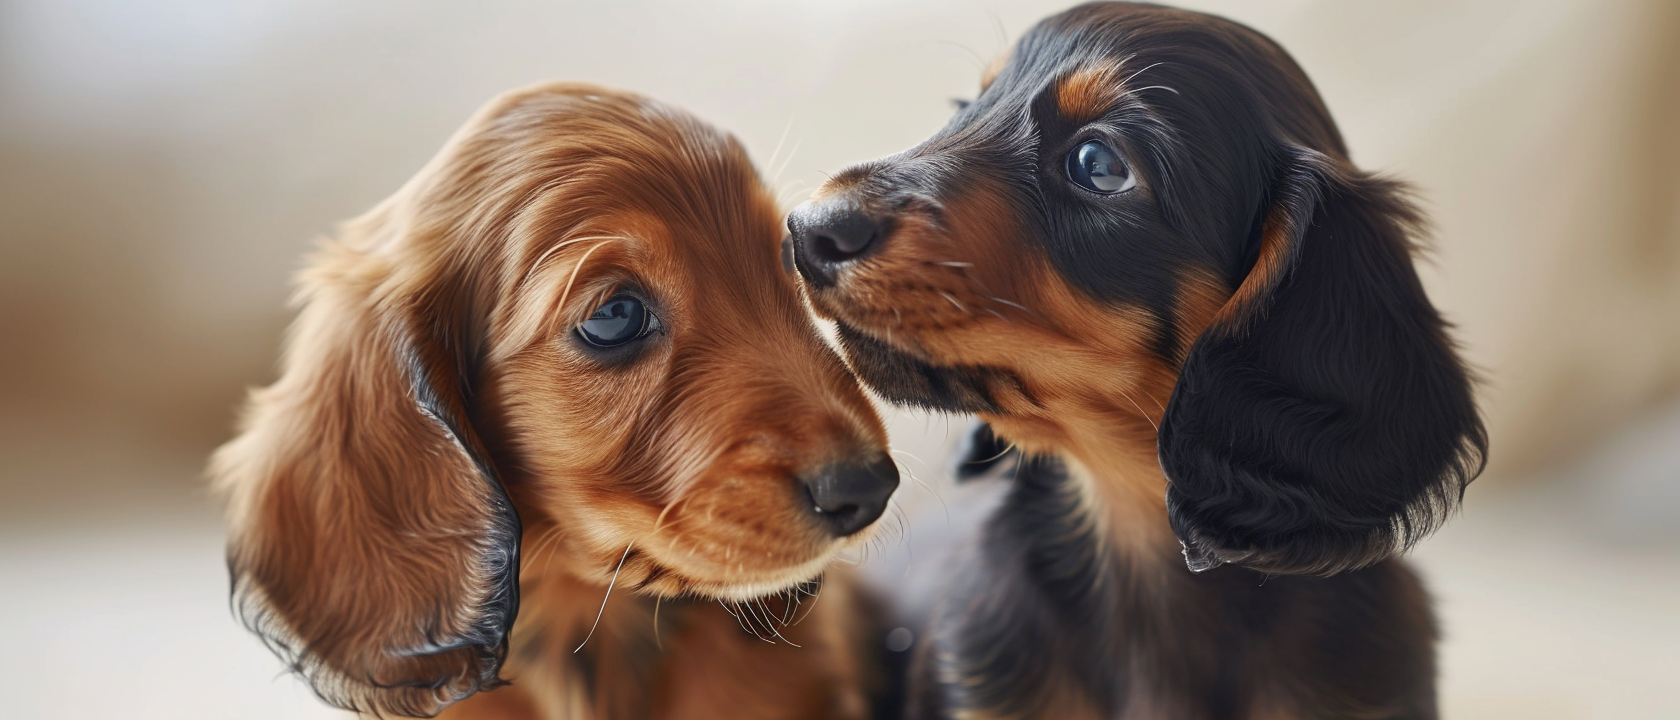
[(619, 320), (1096, 167)]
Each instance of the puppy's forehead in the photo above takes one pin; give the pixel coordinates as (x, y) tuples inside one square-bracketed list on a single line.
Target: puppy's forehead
[(625, 155), (588, 172), (1092, 56), (1078, 79)]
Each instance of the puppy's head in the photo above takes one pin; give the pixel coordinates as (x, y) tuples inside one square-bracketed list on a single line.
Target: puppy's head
[(572, 319), (1145, 201)]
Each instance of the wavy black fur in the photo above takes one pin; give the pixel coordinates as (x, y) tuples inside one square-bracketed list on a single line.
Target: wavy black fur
[(1331, 424), (1044, 611), (1321, 425)]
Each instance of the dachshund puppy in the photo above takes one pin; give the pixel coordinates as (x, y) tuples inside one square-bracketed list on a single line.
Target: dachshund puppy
[(1143, 257), (563, 359)]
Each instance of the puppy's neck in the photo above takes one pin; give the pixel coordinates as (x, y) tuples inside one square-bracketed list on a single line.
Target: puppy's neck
[(676, 658), (579, 653), (1106, 436), (1127, 492)]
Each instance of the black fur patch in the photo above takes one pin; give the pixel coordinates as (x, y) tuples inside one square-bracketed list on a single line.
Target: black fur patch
[(1044, 603), (1332, 425), (985, 452), (904, 379)]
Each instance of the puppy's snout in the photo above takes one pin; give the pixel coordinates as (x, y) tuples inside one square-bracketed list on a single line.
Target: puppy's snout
[(828, 234), (846, 497)]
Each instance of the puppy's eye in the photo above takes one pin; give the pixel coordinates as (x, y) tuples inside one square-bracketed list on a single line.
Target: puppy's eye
[(619, 320), (1096, 167)]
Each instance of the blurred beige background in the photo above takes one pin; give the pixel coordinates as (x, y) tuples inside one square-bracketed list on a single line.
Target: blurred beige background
[(165, 163)]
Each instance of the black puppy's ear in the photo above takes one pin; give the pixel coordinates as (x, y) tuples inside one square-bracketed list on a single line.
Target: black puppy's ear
[(1323, 422), (985, 451)]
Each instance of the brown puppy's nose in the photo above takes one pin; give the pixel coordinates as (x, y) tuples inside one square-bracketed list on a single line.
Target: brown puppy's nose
[(847, 497), (828, 234)]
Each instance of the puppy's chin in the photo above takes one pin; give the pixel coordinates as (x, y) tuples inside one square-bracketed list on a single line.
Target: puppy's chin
[(902, 377), (803, 577), (743, 592)]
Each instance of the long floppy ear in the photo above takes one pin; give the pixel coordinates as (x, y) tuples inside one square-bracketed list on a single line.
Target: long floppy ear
[(1324, 421), (372, 545)]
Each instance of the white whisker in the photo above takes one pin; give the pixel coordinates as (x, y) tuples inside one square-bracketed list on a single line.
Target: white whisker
[(790, 605), (980, 62), (737, 617), (575, 268), (789, 192), (779, 142), (767, 623), (660, 521), (1152, 399), (549, 541), (929, 488), (546, 253), (1130, 93), (796, 592), (656, 602), (604, 598), (911, 455), (1151, 66), (1016, 305), (747, 609), (785, 162), (1145, 415)]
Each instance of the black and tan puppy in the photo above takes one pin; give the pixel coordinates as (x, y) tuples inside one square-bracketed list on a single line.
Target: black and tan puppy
[(1143, 257)]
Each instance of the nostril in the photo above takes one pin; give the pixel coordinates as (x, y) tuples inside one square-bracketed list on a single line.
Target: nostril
[(848, 497), (823, 501), (830, 233), (827, 249), (844, 240), (836, 513)]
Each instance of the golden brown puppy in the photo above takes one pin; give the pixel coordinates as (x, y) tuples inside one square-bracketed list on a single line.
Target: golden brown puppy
[(562, 359), (1143, 256)]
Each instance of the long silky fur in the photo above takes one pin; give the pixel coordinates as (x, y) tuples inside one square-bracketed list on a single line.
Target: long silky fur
[(1409, 457), (1235, 555)]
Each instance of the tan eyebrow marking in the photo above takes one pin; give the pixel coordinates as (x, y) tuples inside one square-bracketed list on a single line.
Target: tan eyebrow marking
[(1088, 92)]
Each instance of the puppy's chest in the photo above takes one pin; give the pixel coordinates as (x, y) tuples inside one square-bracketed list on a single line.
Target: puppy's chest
[(563, 666), (687, 660), (1057, 618)]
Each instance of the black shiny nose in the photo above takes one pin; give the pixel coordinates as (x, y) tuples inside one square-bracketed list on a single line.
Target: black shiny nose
[(847, 497), (828, 234)]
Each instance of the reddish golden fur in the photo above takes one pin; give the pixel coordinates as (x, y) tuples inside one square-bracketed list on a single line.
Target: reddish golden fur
[(364, 540)]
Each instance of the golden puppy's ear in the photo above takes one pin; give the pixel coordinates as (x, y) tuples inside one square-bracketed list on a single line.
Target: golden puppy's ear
[(1324, 421), (372, 545)]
